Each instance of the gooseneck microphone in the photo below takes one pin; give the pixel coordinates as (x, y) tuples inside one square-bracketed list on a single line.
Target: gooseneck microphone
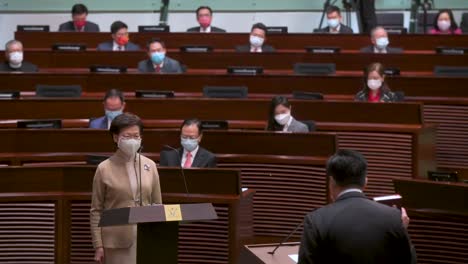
[(138, 175), (179, 162)]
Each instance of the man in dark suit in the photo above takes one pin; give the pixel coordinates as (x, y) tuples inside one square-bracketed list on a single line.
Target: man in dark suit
[(354, 229), (114, 105), (334, 21), (190, 155), (120, 40), (79, 22), (14, 59), (158, 61), (380, 42), (257, 40), (204, 18)]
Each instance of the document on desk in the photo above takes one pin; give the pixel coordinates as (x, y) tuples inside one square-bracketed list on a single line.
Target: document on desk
[(294, 257)]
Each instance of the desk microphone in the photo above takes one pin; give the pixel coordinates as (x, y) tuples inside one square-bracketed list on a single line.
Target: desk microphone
[(288, 236), (179, 160), (138, 175)]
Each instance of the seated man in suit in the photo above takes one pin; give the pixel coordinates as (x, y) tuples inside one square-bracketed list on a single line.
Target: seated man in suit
[(257, 40), (14, 59), (120, 40), (114, 105), (191, 155), (79, 23), (204, 18), (379, 39), (157, 60), (334, 21), (354, 229)]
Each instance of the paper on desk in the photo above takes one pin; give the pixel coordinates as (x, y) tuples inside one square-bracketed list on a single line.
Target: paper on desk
[(294, 257), (244, 189)]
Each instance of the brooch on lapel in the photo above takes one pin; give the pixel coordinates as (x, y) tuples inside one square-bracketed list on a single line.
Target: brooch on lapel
[(146, 167)]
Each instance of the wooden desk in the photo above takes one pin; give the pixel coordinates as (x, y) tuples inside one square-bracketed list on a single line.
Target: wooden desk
[(230, 40), (51, 206), (221, 60)]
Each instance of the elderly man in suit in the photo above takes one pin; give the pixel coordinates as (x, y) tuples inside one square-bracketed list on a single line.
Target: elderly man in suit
[(120, 39), (114, 105), (190, 155), (14, 59), (79, 22), (257, 40), (334, 21), (157, 60), (380, 42), (354, 229), (204, 18)]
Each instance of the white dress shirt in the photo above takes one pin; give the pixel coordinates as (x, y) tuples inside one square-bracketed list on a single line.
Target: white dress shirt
[(205, 30), (332, 31), (184, 156), (348, 191), (376, 50), (255, 49), (117, 47)]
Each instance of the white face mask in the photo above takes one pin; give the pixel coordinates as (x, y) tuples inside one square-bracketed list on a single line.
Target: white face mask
[(15, 58), (129, 146), (283, 119), (374, 84), (333, 23), (256, 41), (382, 43), (443, 25)]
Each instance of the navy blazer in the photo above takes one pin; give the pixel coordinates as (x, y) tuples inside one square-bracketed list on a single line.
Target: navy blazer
[(70, 27), (390, 50), (99, 123), (169, 66), (172, 158), (355, 229), (213, 30), (246, 48), (108, 45)]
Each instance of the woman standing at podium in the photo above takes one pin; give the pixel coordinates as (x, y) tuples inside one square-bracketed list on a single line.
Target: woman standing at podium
[(117, 184)]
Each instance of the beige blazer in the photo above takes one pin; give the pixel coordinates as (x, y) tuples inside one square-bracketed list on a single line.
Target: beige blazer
[(111, 189)]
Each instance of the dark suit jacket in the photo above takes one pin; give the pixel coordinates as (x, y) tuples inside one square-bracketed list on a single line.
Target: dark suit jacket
[(169, 66), (25, 67), (390, 50), (99, 123), (355, 230), (213, 30), (70, 27), (203, 159), (108, 45), (343, 30), (246, 48)]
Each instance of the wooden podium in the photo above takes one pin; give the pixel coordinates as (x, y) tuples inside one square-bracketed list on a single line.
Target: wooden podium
[(158, 227), (259, 254)]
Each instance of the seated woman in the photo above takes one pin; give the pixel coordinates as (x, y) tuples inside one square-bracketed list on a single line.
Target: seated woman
[(444, 24), (375, 89), (280, 118)]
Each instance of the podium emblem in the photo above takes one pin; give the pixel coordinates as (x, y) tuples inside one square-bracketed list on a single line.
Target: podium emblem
[(173, 212)]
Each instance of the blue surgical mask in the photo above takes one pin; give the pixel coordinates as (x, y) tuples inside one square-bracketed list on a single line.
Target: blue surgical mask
[(333, 23), (158, 57), (112, 114), (382, 43), (189, 144)]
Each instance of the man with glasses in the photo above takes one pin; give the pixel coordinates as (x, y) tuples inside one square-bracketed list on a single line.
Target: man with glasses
[(120, 39), (190, 155)]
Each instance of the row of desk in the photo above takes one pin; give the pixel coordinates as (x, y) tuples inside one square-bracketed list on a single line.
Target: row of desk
[(229, 41), (409, 62)]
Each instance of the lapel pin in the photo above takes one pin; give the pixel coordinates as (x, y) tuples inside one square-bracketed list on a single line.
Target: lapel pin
[(146, 167)]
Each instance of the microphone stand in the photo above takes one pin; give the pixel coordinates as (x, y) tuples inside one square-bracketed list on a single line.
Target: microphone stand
[(179, 160), (285, 239), (138, 174), (325, 7)]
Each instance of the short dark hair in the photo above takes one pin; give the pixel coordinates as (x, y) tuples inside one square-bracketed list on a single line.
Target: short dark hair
[(333, 8), (277, 100), (79, 9), (204, 7), (155, 40), (123, 121), (453, 23), (193, 121), (114, 93), (348, 168), (117, 25), (259, 26)]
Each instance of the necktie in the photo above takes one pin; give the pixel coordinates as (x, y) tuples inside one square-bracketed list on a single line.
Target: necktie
[(188, 160), (158, 70), (121, 48)]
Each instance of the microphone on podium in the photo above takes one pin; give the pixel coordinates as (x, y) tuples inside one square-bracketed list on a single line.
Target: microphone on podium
[(179, 162)]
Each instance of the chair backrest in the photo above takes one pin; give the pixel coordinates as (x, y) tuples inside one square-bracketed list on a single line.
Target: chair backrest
[(315, 68), (429, 22), (464, 23), (225, 91), (391, 21), (43, 90)]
